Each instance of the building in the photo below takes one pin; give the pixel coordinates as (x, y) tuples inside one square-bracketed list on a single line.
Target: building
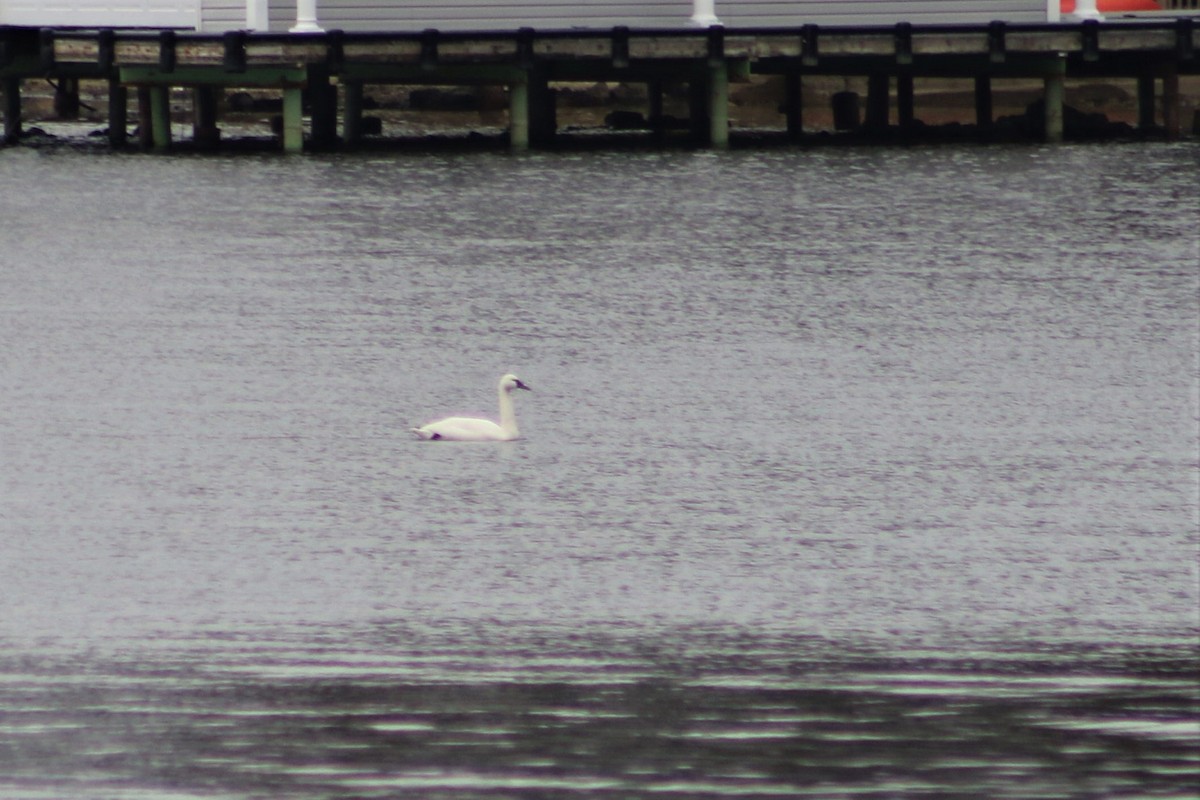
[(215, 16)]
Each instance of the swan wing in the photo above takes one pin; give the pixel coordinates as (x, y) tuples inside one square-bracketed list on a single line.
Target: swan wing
[(463, 429)]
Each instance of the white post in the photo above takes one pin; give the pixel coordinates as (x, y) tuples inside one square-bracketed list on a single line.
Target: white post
[(306, 18), (1086, 9), (257, 15), (704, 13)]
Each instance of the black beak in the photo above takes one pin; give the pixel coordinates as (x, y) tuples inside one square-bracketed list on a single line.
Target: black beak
[(523, 386)]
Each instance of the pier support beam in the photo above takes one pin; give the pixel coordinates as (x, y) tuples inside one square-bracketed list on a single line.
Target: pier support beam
[(293, 119), (793, 105), (1055, 94), (718, 106), (66, 98), (654, 96), (12, 110), (205, 132), (905, 103), (118, 114), (1145, 102), (543, 109), (159, 117), (518, 115), (352, 120), (322, 98), (878, 86), (983, 104), (1172, 115), (698, 109)]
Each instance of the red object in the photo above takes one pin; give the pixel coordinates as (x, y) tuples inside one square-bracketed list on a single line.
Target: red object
[(1113, 6)]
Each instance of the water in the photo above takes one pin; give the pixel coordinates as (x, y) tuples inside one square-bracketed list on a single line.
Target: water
[(848, 472)]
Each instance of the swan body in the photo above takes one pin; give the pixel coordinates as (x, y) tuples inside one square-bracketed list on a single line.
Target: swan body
[(475, 429)]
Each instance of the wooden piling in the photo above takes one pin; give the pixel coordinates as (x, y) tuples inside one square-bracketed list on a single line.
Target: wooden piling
[(878, 87), (1053, 98), (66, 98), (793, 105), (543, 109), (12, 109), (518, 115), (118, 114), (1145, 102), (145, 119), (654, 92), (983, 104), (698, 102), (160, 117), (205, 132), (1172, 113), (293, 119), (322, 99), (718, 106), (352, 114), (905, 103)]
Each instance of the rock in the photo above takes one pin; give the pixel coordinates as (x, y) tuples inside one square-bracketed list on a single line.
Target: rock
[(625, 120)]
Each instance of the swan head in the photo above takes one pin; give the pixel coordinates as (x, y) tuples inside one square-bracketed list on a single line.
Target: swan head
[(510, 382)]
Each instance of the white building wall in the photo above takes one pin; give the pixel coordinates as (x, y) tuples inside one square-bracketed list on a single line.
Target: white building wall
[(382, 15), (101, 13), (401, 15)]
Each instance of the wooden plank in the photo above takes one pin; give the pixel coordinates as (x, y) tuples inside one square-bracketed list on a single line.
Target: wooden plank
[(858, 45), (930, 44), (136, 51), (573, 48), (649, 47), (1045, 41), (215, 76), (73, 50), (1117, 39), (777, 47), (193, 51), (477, 49), (442, 75), (397, 50)]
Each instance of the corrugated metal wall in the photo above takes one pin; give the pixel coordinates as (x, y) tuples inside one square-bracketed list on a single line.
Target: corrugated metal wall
[(392, 15)]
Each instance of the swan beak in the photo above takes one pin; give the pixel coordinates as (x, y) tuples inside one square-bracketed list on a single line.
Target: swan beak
[(521, 385)]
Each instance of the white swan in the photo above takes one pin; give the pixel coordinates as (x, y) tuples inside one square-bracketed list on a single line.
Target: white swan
[(473, 429)]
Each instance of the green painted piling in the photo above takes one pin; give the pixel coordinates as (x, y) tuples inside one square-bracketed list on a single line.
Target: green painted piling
[(160, 117), (293, 120), (518, 115)]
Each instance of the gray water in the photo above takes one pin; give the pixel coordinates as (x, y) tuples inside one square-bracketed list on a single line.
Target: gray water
[(848, 472)]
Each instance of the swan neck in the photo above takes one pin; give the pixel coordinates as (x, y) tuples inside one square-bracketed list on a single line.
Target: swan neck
[(508, 415)]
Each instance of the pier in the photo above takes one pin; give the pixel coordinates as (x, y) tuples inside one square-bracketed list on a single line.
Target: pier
[(321, 75)]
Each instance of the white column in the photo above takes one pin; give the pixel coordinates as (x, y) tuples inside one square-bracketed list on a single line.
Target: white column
[(257, 15), (704, 13), (306, 18), (1085, 9)]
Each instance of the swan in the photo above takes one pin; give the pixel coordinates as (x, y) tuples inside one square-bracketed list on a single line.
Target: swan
[(474, 429)]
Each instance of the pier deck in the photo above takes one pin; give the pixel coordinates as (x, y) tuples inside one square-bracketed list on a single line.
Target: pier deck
[(527, 62)]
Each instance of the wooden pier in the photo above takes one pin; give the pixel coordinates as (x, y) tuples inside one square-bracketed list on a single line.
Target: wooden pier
[(315, 67)]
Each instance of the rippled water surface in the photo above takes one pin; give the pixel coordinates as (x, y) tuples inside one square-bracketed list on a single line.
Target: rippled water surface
[(848, 472)]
